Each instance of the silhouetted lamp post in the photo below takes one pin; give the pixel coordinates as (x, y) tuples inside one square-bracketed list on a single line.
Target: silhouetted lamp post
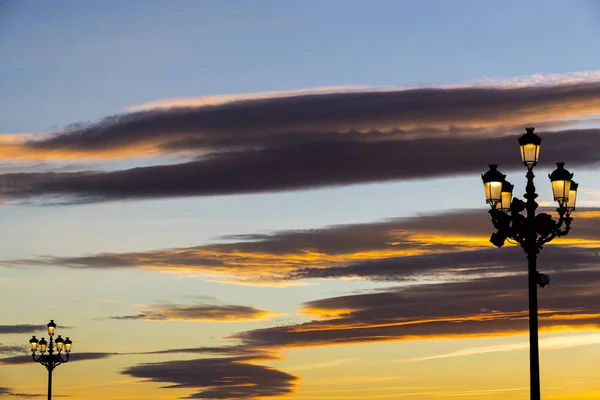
[(530, 231), (50, 360)]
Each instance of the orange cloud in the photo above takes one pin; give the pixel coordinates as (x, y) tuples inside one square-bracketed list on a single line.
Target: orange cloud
[(437, 247), (268, 120), (471, 308), (200, 312)]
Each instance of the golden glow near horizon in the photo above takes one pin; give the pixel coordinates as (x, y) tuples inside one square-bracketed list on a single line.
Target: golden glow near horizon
[(326, 368)]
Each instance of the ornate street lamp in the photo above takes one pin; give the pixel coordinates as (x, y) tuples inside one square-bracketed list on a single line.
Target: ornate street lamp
[(50, 360), (530, 231)]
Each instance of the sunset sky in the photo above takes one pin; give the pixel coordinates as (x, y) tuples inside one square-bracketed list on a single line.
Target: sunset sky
[(261, 199)]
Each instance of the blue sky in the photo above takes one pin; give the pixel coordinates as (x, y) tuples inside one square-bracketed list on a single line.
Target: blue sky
[(69, 61)]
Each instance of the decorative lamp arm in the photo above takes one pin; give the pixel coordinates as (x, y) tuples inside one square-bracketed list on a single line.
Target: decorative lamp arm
[(63, 360), (565, 232)]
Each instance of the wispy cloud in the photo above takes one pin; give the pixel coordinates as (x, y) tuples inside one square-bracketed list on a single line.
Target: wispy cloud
[(12, 349), (543, 79), (319, 365), (4, 391), (232, 98), (494, 82), (79, 356), (562, 342), (199, 312), (21, 328)]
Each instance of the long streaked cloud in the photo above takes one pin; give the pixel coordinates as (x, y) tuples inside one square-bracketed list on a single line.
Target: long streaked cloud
[(233, 350), (474, 308), (350, 159), (300, 141), (493, 82), (551, 343), (218, 378), (218, 100), (263, 122), (483, 290), (456, 264), (435, 246), (4, 391), (85, 356), (199, 312), (12, 349), (21, 328)]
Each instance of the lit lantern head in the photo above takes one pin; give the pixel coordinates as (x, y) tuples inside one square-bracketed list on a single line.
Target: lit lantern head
[(561, 184), (51, 327), (43, 345), (492, 184), (572, 197), (33, 343), (530, 148), (68, 344), (59, 343)]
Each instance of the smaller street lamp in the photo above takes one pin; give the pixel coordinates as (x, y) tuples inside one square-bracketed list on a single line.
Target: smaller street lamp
[(50, 360)]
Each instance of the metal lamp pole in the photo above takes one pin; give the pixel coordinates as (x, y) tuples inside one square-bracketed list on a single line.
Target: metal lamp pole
[(530, 231), (50, 360)]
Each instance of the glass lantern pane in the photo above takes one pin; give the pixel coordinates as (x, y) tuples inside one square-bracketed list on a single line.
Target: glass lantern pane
[(560, 190), (506, 199), (530, 153), (566, 190), (492, 191), (572, 199)]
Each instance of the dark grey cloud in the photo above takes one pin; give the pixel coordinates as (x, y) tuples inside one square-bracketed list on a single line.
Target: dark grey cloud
[(13, 349), (310, 141), (4, 391), (381, 250), (479, 307), (301, 166), (277, 121), (457, 264), (73, 357), (218, 378), (245, 255), (21, 328), (198, 312)]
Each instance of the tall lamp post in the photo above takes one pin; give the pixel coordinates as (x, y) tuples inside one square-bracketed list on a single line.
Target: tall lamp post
[(530, 231), (50, 360)]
